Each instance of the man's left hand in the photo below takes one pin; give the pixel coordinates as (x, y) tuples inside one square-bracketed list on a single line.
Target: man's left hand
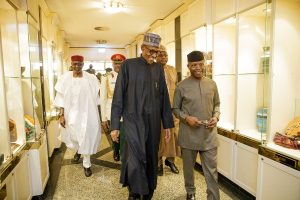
[(167, 135), (212, 122)]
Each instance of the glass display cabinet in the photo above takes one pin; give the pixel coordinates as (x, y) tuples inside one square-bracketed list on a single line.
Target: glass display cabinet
[(14, 167), (12, 135), (241, 56), (48, 80), (279, 160), (30, 104), (33, 93), (30, 74), (36, 71), (284, 123), (252, 73), (241, 51)]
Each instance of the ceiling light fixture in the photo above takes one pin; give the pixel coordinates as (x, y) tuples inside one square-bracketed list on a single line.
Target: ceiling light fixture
[(101, 28), (112, 6)]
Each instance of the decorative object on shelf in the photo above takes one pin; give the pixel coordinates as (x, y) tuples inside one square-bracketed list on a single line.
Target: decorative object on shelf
[(265, 59), (293, 128), (208, 67), (261, 119), (29, 127), (286, 141), (209, 55), (12, 130), (14, 146), (1, 158)]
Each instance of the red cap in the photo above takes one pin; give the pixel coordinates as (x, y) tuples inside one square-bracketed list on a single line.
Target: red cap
[(118, 57), (77, 58)]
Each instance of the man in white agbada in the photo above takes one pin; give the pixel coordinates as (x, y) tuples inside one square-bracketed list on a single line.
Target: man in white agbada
[(78, 100)]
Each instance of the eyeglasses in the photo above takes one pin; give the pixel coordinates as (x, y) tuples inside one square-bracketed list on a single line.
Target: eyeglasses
[(152, 52)]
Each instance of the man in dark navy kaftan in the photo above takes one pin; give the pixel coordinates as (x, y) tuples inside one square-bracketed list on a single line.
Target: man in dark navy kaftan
[(141, 98)]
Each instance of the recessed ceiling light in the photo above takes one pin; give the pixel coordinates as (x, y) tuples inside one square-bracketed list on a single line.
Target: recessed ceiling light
[(101, 28)]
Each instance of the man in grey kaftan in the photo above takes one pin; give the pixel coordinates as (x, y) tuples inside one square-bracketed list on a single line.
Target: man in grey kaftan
[(197, 105)]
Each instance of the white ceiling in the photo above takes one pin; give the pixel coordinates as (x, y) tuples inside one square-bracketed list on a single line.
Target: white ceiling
[(79, 17)]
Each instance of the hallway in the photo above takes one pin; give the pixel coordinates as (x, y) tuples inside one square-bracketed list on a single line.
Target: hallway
[(67, 180)]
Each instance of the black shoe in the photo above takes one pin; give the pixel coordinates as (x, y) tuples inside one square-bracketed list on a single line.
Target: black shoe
[(148, 196), (134, 196), (76, 158), (190, 197), (172, 166), (87, 171), (116, 156), (160, 170)]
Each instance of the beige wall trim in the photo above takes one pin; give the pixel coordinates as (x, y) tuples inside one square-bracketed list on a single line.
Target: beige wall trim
[(44, 7), (239, 138), (15, 3), (11, 164), (253, 6), (278, 157)]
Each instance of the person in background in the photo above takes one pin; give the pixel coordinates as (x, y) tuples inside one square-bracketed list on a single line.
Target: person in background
[(98, 75), (168, 149), (197, 105), (78, 99), (141, 98), (91, 70), (107, 90)]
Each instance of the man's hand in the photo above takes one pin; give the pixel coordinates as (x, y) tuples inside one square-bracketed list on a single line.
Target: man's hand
[(62, 121), (105, 126), (192, 121), (167, 135), (115, 135), (212, 122)]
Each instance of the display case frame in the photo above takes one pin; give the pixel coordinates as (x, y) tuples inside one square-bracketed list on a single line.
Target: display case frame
[(36, 69)]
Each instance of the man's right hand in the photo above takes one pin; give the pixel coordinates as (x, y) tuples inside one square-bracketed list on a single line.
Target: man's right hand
[(115, 135), (105, 126), (62, 121), (192, 121)]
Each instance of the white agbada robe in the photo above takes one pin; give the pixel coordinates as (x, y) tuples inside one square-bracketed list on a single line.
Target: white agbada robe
[(80, 99)]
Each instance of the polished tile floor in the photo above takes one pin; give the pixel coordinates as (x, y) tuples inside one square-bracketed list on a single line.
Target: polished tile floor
[(67, 180)]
